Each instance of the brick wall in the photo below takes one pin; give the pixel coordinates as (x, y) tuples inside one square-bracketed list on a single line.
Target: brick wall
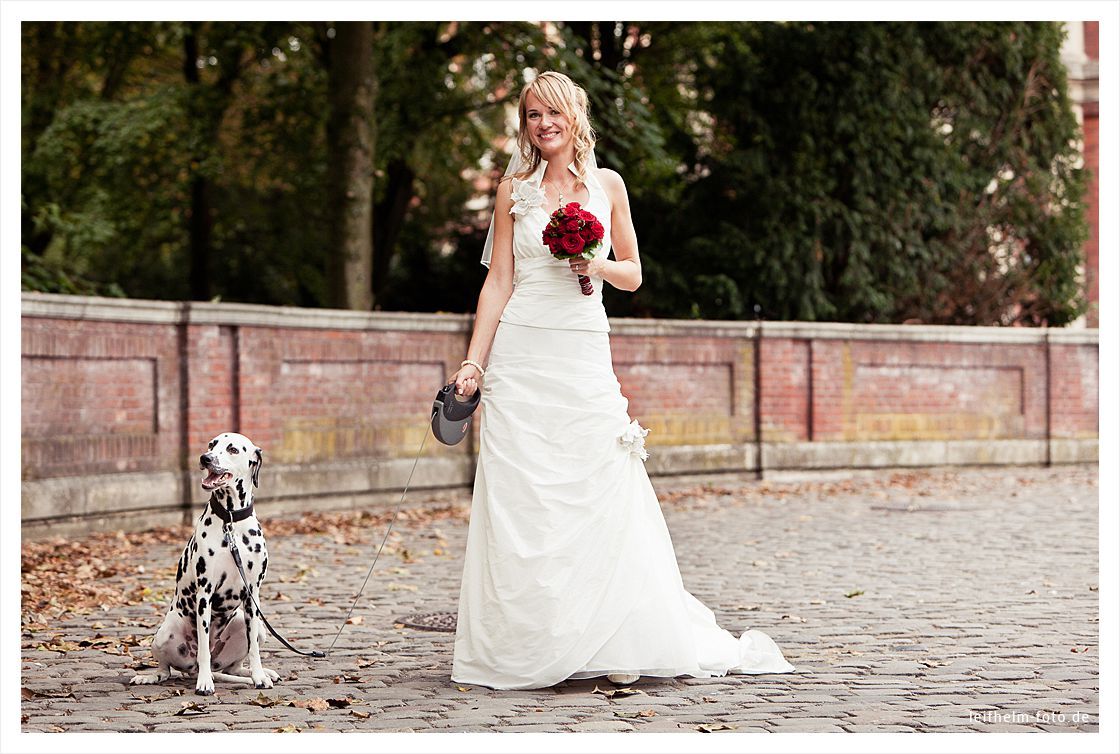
[(119, 398)]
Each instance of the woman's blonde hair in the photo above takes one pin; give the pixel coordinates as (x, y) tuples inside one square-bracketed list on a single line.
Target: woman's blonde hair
[(560, 93)]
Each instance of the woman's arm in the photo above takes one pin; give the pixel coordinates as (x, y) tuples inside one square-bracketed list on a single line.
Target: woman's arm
[(495, 292), (625, 270)]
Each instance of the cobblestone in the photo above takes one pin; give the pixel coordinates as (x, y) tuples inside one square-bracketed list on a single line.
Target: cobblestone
[(980, 615)]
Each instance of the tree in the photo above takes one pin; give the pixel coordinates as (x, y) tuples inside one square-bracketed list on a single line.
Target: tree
[(350, 165), (870, 172)]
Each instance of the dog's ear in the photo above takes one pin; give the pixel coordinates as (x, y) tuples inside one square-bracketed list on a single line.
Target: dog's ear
[(256, 466)]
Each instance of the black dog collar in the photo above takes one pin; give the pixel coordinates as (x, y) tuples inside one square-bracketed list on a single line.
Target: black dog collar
[(227, 516)]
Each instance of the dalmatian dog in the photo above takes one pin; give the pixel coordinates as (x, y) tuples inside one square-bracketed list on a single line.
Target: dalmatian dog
[(212, 626)]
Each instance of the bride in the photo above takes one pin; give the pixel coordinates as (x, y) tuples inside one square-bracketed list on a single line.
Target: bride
[(569, 571)]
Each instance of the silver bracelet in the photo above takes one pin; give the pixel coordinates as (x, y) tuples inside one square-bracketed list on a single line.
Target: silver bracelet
[(476, 365)]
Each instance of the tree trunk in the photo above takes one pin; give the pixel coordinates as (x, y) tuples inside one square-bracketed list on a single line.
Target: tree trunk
[(388, 219), (350, 166), (198, 223), (49, 41)]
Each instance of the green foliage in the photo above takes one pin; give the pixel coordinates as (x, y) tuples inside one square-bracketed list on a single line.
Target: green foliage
[(113, 178), (862, 172), (867, 172)]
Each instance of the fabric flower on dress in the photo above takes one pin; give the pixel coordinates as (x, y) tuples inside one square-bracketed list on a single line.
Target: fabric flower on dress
[(525, 197), (634, 440)]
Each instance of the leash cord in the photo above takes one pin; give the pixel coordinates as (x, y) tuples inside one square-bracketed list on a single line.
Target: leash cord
[(232, 545), (383, 539)]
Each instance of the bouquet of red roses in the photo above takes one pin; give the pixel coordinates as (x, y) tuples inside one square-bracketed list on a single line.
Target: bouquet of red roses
[(573, 232)]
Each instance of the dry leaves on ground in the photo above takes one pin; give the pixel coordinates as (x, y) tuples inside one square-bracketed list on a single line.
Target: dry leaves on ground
[(66, 577)]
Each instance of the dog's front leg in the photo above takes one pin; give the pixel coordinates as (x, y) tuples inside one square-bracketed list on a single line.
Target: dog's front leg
[(262, 677), (205, 683)]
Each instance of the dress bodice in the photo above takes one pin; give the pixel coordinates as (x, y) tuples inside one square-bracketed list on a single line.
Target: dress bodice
[(546, 293)]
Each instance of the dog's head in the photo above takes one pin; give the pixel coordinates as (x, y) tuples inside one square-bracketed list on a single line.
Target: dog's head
[(229, 457)]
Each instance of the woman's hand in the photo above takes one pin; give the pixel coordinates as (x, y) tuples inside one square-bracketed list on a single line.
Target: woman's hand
[(587, 267), (466, 380)]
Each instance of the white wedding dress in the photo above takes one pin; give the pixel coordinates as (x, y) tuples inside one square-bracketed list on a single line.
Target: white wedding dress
[(570, 570)]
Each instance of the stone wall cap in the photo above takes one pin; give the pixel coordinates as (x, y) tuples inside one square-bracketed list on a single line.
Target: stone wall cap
[(60, 306)]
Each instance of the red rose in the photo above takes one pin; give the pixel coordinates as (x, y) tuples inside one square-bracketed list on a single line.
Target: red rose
[(572, 243), (597, 229), (586, 216), (571, 208), (587, 233), (571, 225)]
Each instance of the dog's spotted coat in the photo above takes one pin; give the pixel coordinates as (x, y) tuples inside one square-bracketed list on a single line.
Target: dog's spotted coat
[(210, 599)]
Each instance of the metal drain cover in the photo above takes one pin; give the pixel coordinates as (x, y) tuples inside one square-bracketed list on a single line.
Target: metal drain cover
[(430, 621)]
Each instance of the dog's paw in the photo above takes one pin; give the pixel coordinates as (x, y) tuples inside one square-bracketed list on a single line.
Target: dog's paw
[(204, 687), (264, 679), (147, 678), (272, 674)]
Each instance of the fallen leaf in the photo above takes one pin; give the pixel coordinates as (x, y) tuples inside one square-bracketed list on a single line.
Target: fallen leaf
[(345, 702), (359, 714), (354, 620), (706, 728), (265, 701), (854, 593), (191, 709), (611, 693), (463, 688), (315, 705), (27, 693), (58, 644), (289, 728)]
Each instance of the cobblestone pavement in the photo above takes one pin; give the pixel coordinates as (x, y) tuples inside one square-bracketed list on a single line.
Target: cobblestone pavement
[(961, 601)]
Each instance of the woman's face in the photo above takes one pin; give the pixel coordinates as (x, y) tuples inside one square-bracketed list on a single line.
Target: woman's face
[(549, 129)]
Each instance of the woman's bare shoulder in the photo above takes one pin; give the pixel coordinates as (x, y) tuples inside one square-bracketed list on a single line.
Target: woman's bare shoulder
[(612, 182)]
